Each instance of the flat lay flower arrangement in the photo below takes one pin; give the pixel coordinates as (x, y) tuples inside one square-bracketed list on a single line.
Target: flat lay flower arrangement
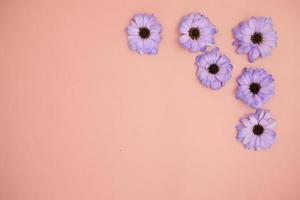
[(255, 86)]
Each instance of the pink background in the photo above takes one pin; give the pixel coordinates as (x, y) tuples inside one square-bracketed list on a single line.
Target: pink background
[(84, 118)]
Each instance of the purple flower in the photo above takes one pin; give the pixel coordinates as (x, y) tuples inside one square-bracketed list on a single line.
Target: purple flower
[(255, 37), (196, 32), (257, 130), (144, 34), (213, 69), (255, 87)]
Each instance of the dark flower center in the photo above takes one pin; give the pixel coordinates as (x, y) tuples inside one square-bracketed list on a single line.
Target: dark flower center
[(194, 33), (213, 69), (257, 38), (254, 88), (258, 129), (144, 33)]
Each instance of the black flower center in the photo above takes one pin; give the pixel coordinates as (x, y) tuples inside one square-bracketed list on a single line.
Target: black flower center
[(258, 129), (194, 33), (144, 33), (257, 38), (254, 88), (213, 69)]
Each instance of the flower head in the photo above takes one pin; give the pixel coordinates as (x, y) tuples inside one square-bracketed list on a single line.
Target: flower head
[(256, 131), (144, 34), (255, 87), (213, 69), (255, 37), (196, 32)]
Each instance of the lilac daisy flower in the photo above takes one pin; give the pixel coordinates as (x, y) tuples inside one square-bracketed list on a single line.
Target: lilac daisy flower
[(144, 34), (255, 37), (213, 69), (196, 32), (257, 130), (255, 87)]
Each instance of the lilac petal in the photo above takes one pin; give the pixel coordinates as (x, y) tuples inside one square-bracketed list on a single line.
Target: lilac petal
[(246, 122), (186, 24), (270, 135), (257, 103), (183, 39), (222, 77), (216, 85), (258, 75), (263, 144), (253, 119), (239, 94), (150, 22), (267, 92), (247, 138), (270, 35), (214, 54), (202, 46), (269, 43), (268, 138), (223, 60), (268, 124), (265, 50), (150, 47), (245, 48), (253, 54), (266, 81), (156, 38), (208, 31), (138, 19), (155, 28), (245, 29), (260, 23), (242, 133), (236, 43), (207, 39), (196, 16), (188, 44), (206, 82), (251, 143), (211, 78), (145, 20), (202, 61), (252, 24), (259, 114), (238, 34), (244, 80), (194, 46), (203, 74), (202, 22), (268, 24), (140, 46), (131, 30), (258, 145)]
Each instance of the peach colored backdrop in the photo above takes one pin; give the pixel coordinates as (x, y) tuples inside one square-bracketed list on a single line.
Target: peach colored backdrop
[(84, 118)]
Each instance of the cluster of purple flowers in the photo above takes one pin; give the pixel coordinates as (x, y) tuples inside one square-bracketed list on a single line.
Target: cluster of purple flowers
[(254, 37)]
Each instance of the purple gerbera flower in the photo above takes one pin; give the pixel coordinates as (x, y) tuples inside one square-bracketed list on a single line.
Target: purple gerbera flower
[(257, 130), (213, 69), (196, 32), (255, 37), (144, 34), (255, 87)]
